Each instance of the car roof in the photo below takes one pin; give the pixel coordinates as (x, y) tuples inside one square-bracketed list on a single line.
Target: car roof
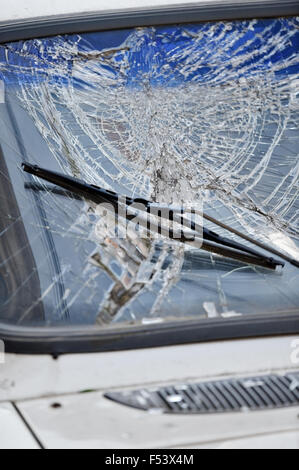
[(28, 9)]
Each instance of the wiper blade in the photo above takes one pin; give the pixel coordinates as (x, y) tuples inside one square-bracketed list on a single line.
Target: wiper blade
[(210, 241), (262, 245)]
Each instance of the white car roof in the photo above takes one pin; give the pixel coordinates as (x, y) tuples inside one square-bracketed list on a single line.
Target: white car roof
[(28, 9), (27, 19)]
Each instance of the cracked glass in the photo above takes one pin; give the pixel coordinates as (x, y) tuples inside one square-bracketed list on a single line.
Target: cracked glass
[(199, 113)]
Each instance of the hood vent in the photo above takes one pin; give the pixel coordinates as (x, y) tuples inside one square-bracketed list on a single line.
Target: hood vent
[(254, 393)]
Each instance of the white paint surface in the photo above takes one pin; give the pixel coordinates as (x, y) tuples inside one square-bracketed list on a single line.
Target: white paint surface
[(90, 421), (23, 377), (13, 432), (281, 440), (286, 440), (21, 9)]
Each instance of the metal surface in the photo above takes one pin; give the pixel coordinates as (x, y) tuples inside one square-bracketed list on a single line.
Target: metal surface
[(86, 421), (89, 421), (14, 433), (222, 396), (28, 377), (281, 440)]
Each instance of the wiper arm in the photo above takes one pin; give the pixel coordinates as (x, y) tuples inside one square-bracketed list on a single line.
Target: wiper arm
[(210, 241), (246, 237)]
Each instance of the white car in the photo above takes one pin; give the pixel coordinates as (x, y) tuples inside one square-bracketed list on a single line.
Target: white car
[(149, 238)]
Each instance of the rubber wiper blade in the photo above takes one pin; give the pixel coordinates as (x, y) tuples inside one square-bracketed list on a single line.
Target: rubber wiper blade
[(210, 241), (79, 187), (258, 243)]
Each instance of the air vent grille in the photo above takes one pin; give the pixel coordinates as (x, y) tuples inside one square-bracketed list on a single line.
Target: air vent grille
[(254, 393)]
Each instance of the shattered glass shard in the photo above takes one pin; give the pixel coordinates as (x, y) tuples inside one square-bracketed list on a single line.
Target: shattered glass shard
[(179, 114)]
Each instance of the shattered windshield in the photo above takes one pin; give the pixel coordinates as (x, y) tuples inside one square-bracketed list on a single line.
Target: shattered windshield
[(204, 115)]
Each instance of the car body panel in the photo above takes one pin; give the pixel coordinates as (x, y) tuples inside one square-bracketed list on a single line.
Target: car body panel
[(28, 377), (14, 433), (91, 421), (88, 420)]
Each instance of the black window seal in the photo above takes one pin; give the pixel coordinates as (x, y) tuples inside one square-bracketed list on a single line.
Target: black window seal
[(78, 340), (134, 17)]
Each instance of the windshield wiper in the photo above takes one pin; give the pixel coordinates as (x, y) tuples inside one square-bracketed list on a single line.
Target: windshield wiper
[(210, 241)]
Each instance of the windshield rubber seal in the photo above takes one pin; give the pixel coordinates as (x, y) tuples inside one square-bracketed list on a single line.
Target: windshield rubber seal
[(77, 340)]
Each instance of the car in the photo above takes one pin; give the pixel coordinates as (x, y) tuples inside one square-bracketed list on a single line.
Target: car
[(149, 234)]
